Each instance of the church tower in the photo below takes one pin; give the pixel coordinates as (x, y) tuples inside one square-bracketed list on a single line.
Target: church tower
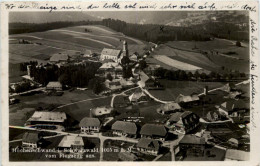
[(125, 49)]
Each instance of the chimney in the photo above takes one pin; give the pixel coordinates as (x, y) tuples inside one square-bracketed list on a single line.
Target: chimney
[(206, 90)]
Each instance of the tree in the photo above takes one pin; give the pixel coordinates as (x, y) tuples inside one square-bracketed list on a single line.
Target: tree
[(142, 64), (109, 77), (64, 79), (160, 72), (238, 44), (98, 87)]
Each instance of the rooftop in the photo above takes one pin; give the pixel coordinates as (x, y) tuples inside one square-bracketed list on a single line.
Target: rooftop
[(148, 144), (70, 140), (59, 57), (54, 84), (89, 122), (128, 127), (111, 52), (30, 137), (153, 129), (192, 139), (48, 116)]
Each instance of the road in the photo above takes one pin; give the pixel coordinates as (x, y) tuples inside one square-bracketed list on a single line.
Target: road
[(37, 89)]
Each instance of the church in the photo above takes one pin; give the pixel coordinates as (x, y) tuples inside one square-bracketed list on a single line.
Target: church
[(113, 54)]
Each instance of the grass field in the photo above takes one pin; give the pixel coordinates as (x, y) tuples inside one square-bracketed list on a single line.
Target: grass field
[(174, 88)]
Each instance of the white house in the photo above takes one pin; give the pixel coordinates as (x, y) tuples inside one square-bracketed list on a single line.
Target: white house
[(89, 125)]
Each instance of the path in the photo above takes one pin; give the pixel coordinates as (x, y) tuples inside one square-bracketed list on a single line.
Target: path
[(37, 89)]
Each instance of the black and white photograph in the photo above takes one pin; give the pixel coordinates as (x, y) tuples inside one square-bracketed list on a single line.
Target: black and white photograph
[(143, 86)]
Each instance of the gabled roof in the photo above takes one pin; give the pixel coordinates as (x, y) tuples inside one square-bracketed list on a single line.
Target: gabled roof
[(175, 117), (70, 140), (170, 106), (89, 122), (54, 84), (59, 57), (30, 137), (127, 127), (111, 52), (239, 155), (192, 139), (153, 129), (47, 116), (148, 144), (136, 95)]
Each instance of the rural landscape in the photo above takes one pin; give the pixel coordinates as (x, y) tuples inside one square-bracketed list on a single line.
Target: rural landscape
[(129, 86)]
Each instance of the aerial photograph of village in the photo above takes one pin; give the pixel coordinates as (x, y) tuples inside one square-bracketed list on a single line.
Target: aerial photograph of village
[(129, 86)]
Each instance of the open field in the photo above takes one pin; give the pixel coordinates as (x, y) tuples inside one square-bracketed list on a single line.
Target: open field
[(175, 63), (174, 88)]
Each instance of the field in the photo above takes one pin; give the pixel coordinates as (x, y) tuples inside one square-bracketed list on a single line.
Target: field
[(229, 56), (19, 113), (174, 88)]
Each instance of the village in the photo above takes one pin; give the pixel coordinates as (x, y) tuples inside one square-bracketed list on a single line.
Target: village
[(135, 124)]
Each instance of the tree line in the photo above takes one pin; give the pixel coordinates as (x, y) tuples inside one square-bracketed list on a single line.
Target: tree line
[(71, 75), (189, 76)]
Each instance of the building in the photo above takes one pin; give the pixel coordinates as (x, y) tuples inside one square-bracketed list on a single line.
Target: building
[(71, 142), (127, 129), (114, 85), (169, 108), (32, 140), (54, 86), (47, 117), (193, 145), (237, 155), (215, 115), (148, 146), (112, 54), (187, 101), (88, 53), (182, 122), (154, 131), (61, 58), (112, 68), (233, 142), (88, 125)]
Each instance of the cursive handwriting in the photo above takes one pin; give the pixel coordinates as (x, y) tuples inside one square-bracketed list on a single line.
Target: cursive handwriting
[(253, 89), (250, 8)]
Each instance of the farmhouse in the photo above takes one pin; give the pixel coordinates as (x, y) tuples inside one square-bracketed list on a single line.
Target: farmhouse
[(169, 108), (46, 117), (71, 142), (193, 145), (236, 155), (112, 54), (182, 122), (61, 58), (127, 129), (54, 86), (148, 146), (187, 100), (154, 131), (88, 125), (112, 68), (32, 140)]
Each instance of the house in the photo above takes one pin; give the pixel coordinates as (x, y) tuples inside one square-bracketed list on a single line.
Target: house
[(61, 58), (168, 108), (121, 101), (71, 142), (137, 96), (154, 131), (237, 155), (114, 85), (112, 68), (54, 86), (215, 115), (48, 118), (112, 54), (88, 125), (127, 83), (193, 145), (99, 111), (88, 53), (182, 122), (186, 101), (127, 129), (32, 140), (127, 156), (238, 110), (148, 146)]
